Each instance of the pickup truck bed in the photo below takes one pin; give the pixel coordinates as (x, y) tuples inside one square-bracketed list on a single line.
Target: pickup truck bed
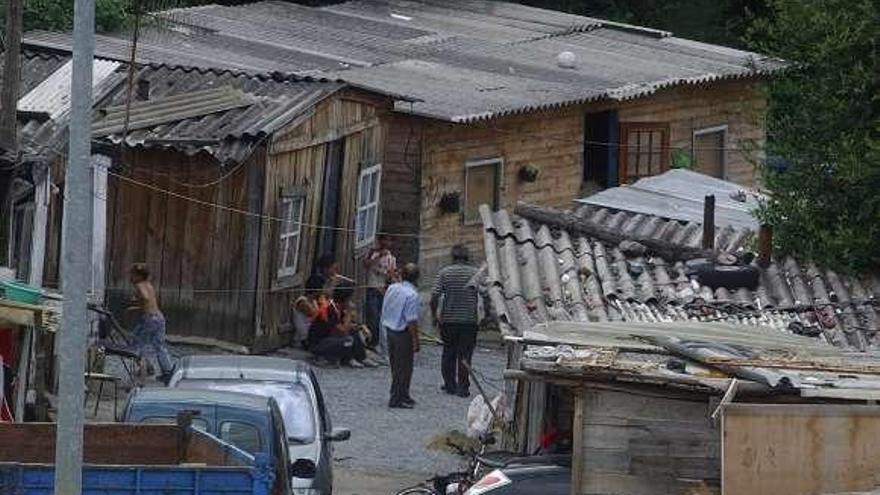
[(136, 459)]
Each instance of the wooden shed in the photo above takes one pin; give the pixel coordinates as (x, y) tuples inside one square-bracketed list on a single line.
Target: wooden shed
[(229, 186), (329, 170), (224, 184), (654, 408)]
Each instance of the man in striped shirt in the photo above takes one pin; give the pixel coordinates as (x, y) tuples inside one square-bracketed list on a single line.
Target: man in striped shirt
[(454, 306)]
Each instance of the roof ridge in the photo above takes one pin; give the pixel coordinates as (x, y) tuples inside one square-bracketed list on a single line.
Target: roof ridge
[(276, 76)]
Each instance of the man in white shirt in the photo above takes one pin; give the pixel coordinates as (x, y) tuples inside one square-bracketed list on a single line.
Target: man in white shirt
[(400, 320)]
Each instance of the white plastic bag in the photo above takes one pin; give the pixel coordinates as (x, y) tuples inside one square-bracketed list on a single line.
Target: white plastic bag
[(479, 416)]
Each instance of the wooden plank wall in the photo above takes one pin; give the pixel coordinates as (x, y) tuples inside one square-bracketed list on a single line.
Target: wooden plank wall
[(401, 176), (801, 449), (103, 443), (296, 159), (649, 445), (196, 253), (552, 141), (738, 104), (115, 444)]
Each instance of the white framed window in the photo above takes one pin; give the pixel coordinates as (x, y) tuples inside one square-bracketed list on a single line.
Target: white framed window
[(290, 237), (482, 185), (710, 154), (367, 218)]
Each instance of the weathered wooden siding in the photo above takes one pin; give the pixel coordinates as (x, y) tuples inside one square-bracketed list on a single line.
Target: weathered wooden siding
[(553, 141), (740, 105), (401, 172), (550, 141), (196, 252), (636, 444), (801, 449), (297, 159)]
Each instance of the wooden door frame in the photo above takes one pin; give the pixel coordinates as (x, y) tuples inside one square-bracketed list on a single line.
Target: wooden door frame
[(623, 146)]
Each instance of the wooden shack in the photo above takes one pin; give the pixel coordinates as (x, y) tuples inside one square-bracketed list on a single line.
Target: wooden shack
[(231, 224), (639, 406), (330, 169)]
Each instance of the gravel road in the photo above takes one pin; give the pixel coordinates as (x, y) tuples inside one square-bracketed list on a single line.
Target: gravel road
[(394, 440)]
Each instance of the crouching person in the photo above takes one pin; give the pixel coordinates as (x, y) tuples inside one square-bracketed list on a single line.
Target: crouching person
[(334, 336)]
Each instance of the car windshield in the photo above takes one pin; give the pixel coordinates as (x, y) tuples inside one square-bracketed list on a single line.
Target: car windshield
[(293, 400)]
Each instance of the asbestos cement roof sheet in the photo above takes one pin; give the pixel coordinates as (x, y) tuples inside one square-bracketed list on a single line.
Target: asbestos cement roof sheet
[(225, 114), (457, 61), (537, 273), (679, 195), (221, 113), (44, 105)]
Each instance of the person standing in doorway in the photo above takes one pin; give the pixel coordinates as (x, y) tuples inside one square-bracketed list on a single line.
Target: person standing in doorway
[(400, 318), (454, 306), (149, 333), (381, 268)]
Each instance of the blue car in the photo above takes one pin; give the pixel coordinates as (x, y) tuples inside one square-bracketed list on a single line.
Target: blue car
[(249, 422), (293, 386)]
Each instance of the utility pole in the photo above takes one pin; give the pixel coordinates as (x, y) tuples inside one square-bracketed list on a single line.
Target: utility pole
[(76, 267), (9, 100)]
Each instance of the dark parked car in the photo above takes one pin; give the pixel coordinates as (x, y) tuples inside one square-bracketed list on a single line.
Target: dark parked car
[(527, 476), (249, 422), (292, 384)]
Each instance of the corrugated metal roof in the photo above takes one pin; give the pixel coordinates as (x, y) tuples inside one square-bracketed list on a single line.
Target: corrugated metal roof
[(538, 273), (679, 195), (146, 114), (43, 108), (463, 61), (223, 114), (52, 95), (35, 132)]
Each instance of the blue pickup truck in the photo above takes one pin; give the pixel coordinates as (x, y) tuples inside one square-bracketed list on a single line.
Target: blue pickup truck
[(123, 459)]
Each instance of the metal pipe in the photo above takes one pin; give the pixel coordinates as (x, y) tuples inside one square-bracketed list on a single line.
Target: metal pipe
[(76, 258)]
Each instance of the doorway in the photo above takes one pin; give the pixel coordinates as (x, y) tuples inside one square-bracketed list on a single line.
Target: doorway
[(600, 149), (332, 187)]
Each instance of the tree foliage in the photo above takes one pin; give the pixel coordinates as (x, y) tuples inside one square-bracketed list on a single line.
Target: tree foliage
[(57, 15), (824, 122), (712, 21)]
